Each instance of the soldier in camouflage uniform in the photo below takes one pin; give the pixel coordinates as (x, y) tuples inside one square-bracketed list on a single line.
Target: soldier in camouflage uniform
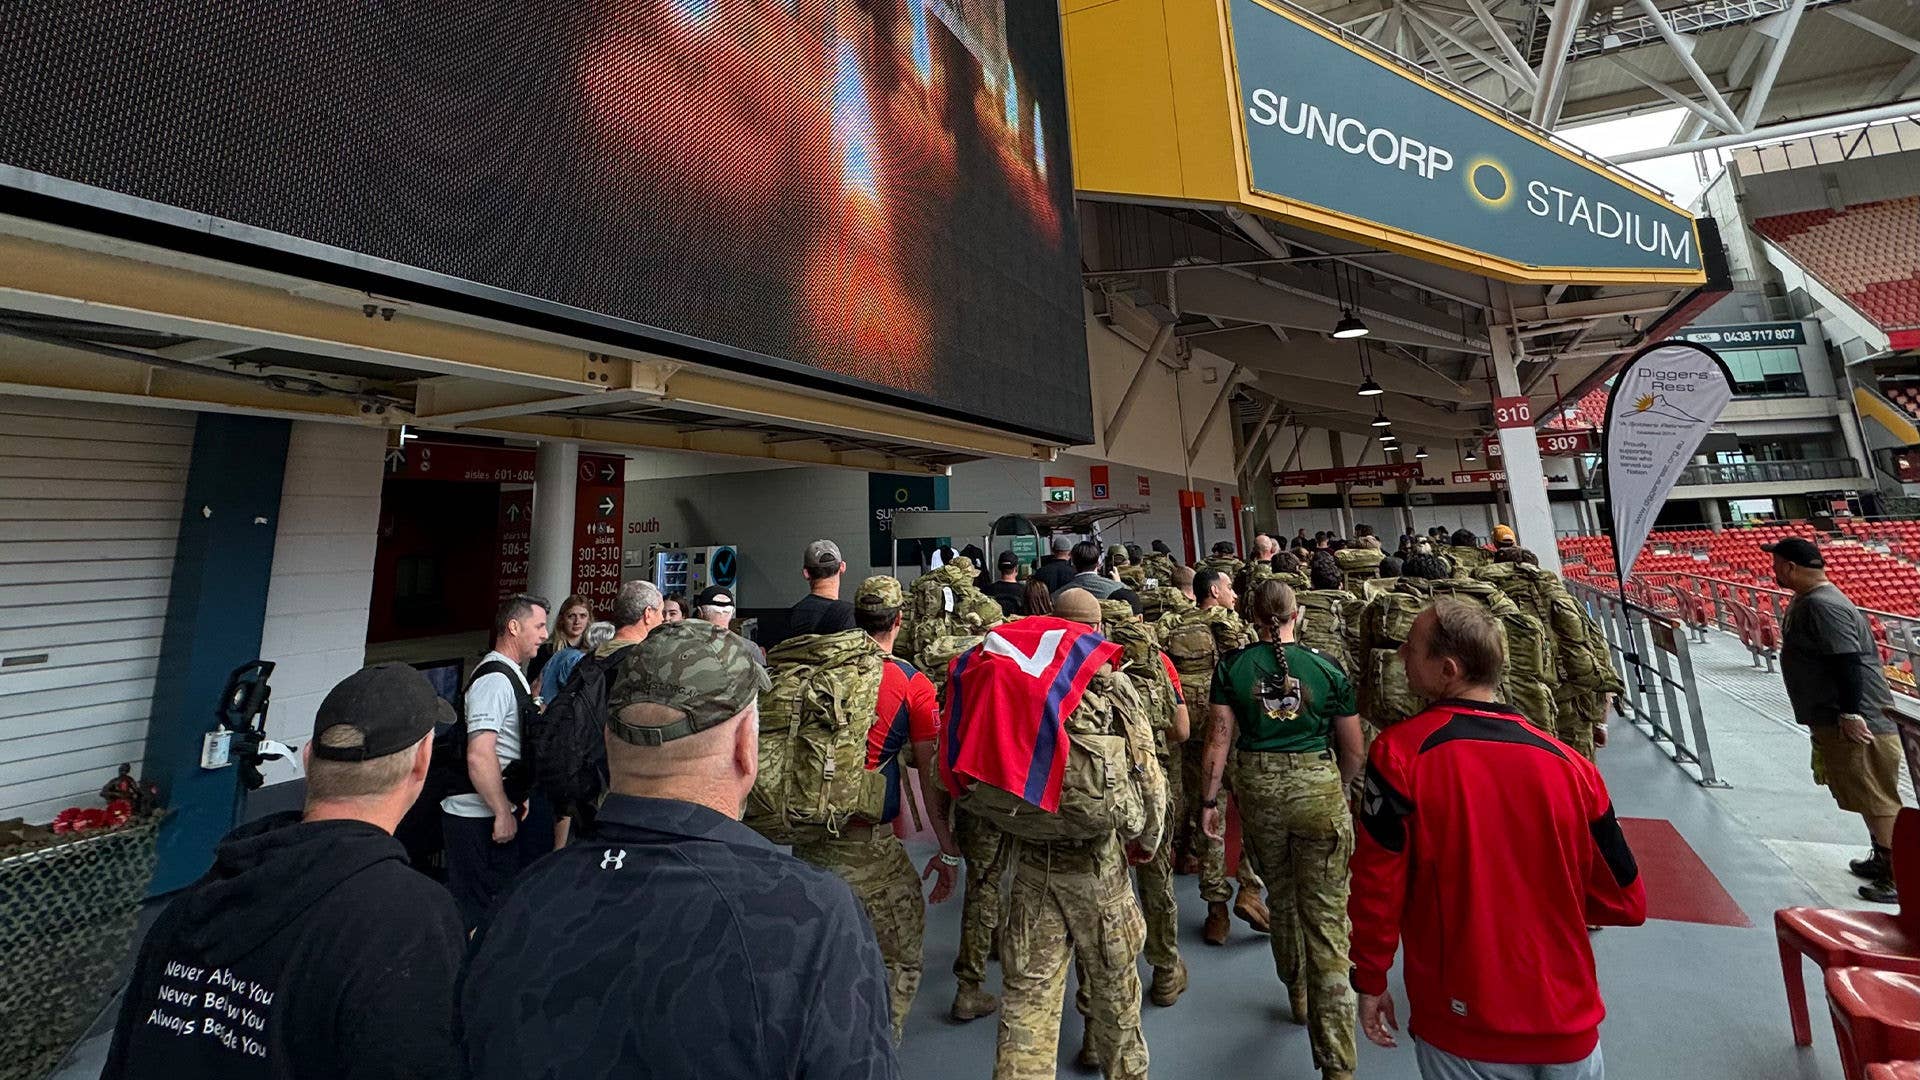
[(1173, 593), (1131, 575), (1223, 561), (1153, 675), (1196, 641), (1466, 554), (1072, 900), (868, 856), (1287, 714), (1587, 680)]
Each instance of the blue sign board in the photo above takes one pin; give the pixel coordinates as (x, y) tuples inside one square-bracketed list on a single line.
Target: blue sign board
[(1335, 128)]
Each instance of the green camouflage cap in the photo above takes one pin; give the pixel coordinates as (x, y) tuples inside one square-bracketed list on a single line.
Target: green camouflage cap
[(960, 564), (1118, 553), (1116, 611), (879, 593), (692, 666)]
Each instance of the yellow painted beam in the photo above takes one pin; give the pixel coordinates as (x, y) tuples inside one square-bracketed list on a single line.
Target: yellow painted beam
[(35, 369), (1897, 423), (737, 442)]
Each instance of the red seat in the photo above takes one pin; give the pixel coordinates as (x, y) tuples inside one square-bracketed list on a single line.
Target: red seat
[(1876, 1017), (1894, 1070), (1836, 938)]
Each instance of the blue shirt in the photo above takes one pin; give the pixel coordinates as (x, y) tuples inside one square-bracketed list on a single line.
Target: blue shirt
[(557, 671), (675, 943)]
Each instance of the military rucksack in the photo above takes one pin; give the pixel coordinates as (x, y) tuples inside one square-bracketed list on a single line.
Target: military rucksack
[(814, 723), (1187, 637), (1323, 624), (1384, 695), (1222, 564), (943, 603), (1157, 603), (1111, 784), (1539, 593), (1158, 569), (1530, 676), (1361, 565), (939, 656), (1142, 666), (1465, 560)]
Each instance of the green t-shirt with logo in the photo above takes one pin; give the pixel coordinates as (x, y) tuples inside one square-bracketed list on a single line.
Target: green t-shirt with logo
[(1247, 682)]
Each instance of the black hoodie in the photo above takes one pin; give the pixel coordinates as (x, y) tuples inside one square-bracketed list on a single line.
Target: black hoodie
[(309, 950)]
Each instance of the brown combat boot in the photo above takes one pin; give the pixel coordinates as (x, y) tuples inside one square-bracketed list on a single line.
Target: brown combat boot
[(1218, 922), (1187, 865), (971, 1003), (1169, 983), (1089, 1058), (1252, 909)]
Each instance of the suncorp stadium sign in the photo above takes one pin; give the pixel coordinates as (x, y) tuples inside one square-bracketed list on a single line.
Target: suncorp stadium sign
[(1334, 129)]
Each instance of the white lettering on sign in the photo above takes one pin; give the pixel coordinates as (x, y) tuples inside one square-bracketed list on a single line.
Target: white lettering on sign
[(1348, 134), (1609, 222)]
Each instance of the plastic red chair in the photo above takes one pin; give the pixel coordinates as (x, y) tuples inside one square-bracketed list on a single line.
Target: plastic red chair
[(1837, 938), (1876, 1017), (1894, 1070)]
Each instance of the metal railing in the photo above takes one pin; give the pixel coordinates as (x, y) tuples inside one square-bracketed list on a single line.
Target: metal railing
[(1649, 650), (1770, 472)]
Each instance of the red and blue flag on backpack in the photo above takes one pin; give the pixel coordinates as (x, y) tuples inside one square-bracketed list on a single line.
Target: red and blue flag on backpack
[(1008, 700)]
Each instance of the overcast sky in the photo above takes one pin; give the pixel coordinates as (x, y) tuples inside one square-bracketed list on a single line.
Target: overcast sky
[(1678, 175)]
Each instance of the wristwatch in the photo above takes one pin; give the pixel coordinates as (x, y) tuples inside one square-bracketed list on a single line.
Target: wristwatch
[(950, 860), (1210, 804)]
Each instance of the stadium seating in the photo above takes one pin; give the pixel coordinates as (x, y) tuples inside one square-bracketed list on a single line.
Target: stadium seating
[(1868, 252), (1588, 413), (1886, 581)]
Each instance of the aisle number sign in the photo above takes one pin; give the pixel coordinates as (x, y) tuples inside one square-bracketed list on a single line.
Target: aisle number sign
[(1551, 443), (1512, 412), (598, 520)]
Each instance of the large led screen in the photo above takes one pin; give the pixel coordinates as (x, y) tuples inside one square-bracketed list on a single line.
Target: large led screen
[(873, 191)]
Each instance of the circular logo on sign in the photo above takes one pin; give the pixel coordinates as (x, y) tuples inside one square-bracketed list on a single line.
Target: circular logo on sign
[(900, 495), (724, 567), (1490, 183)]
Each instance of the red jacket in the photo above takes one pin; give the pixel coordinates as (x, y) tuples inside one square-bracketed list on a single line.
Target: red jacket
[(1492, 847)]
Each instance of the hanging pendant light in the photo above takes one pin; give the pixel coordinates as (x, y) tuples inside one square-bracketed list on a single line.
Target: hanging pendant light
[(1420, 453), (1470, 455), (1349, 326)]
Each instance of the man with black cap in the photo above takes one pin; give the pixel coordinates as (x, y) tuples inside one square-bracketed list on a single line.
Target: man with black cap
[(1831, 666), (821, 611), (311, 949), (679, 943), (1008, 592), (716, 605)]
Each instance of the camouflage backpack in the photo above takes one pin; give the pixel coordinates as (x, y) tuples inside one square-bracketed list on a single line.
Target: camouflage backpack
[(1112, 784), (1465, 560), (944, 603), (938, 659), (1223, 564), (1133, 577), (1323, 624), (814, 722), (1188, 639), (1386, 621), (1158, 569), (1157, 603), (1530, 676), (1539, 593), (1361, 565), (1142, 666)]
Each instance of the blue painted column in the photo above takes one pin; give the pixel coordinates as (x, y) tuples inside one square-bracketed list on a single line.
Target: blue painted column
[(215, 612)]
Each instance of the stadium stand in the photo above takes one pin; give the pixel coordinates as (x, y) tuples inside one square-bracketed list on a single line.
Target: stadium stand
[(1868, 252)]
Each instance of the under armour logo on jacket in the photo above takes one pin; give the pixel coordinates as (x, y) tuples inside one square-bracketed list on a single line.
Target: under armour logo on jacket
[(613, 860)]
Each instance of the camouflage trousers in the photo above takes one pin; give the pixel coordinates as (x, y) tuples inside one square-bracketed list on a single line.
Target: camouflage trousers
[(1293, 813), (1070, 902), (1155, 879), (1577, 714), (882, 876), (980, 905), (1212, 853)]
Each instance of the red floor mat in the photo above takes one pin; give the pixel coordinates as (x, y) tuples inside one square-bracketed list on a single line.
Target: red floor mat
[(1680, 888)]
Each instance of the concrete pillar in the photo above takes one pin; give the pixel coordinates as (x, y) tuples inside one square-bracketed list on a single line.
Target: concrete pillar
[(556, 475), (1526, 480), (1710, 508)]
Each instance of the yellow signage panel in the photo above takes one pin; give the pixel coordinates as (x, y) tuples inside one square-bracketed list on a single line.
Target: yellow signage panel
[(1250, 103)]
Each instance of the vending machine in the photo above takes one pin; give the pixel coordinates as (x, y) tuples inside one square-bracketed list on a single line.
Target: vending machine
[(689, 570)]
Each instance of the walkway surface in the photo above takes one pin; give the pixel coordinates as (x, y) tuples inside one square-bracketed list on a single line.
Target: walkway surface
[(1699, 999)]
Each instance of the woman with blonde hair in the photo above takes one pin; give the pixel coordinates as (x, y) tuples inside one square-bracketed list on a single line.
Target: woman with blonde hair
[(569, 632), (1286, 716)]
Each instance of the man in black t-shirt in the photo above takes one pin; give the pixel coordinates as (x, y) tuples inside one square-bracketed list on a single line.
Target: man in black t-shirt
[(1007, 591), (1057, 569), (821, 611)]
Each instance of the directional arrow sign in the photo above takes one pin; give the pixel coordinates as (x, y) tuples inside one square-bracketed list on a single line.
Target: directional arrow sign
[(606, 506), (396, 459), (513, 511), (607, 473)]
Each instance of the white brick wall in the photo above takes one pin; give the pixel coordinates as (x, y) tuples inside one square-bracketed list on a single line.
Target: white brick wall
[(317, 598)]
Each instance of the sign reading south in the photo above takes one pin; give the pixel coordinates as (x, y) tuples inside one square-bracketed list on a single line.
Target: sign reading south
[(1339, 130)]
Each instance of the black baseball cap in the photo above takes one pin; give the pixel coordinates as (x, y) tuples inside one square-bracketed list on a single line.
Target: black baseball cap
[(1007, 560), (714, 596), (1798, 552), (392, 706)]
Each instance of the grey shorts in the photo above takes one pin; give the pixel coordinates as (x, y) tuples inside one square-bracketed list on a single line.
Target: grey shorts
[(1440, 1065)]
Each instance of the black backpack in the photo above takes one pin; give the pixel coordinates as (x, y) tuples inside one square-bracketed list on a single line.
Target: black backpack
[(420, 830), (570, 756)]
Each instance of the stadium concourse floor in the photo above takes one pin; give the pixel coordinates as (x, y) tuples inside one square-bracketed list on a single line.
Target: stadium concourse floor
[(1695, 993)]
